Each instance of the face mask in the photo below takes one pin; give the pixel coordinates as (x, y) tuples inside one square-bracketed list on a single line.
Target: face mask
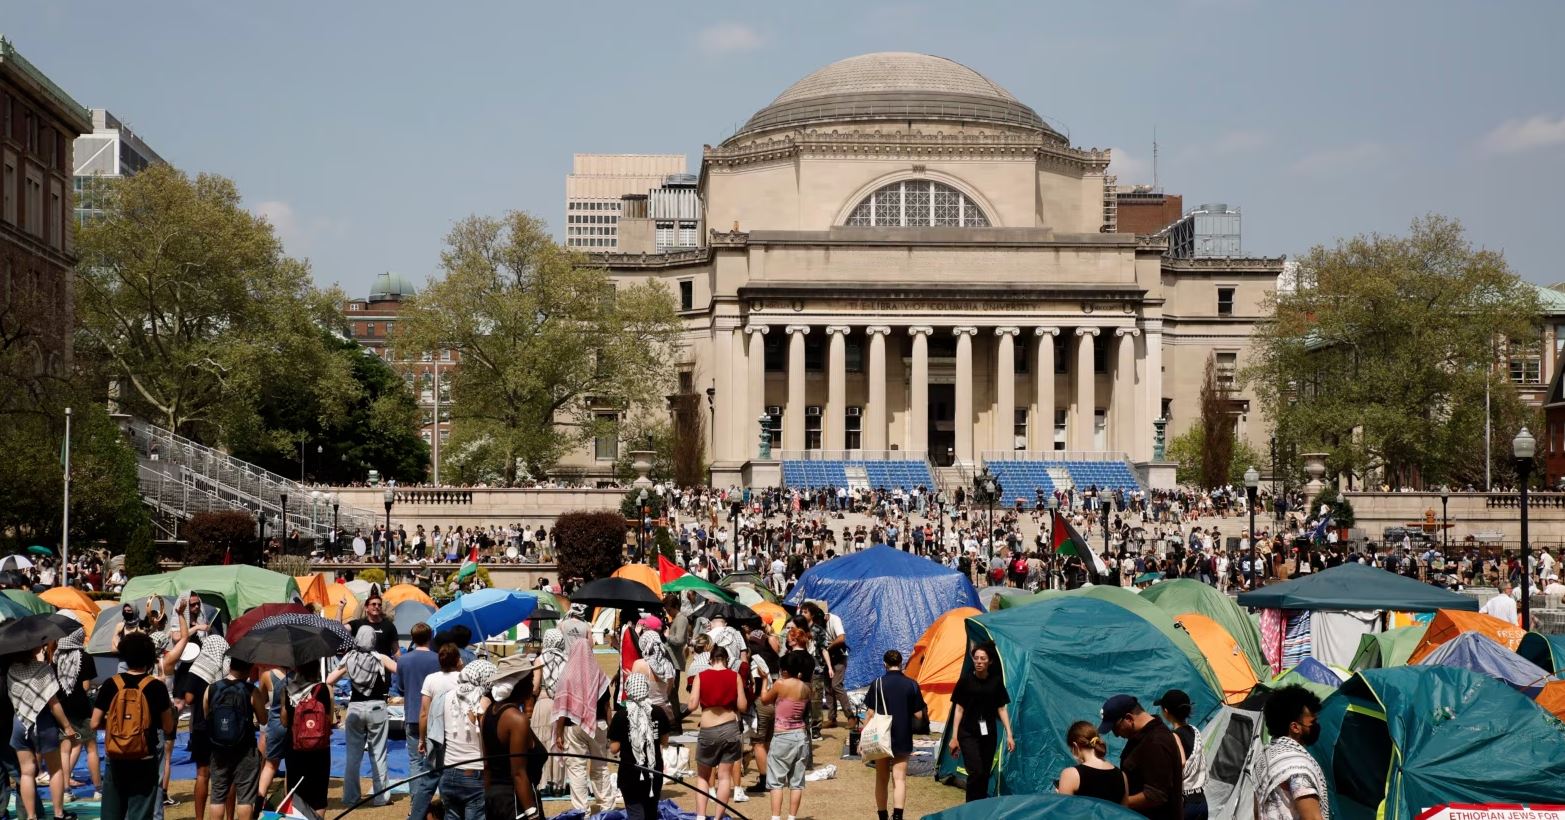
[(502, 691), (1312, 735)]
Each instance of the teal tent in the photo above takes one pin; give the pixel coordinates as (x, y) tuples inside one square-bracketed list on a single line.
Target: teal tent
[(1182, 595), (1547, 651), (1356, 587), (1420, 736), (1028, 806), (238, 588), (1061, 658)]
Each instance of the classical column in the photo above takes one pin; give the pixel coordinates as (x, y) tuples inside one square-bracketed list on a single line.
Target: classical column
[(918, 391), (836, 387), (1005, 388), (1127, 407), (737, 405), (964, 393), (757, 379), (1043, 384), (1153, 384), (1086, 401), (722, 383), (793, 408), (874, 435)]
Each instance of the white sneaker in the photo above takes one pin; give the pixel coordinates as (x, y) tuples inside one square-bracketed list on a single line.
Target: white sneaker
[(740, 796)]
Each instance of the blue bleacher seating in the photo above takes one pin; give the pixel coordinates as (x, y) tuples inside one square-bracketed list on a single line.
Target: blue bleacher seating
[(879, 474), (1022, 481)]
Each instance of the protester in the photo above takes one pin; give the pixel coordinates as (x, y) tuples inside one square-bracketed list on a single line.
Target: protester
[(789, 699), (980, 700), (1092, 776), (309, 716), (898, 696), (719, 693), (367, 724), (233, 708), (581, 704), (41, 733), (1502, 606), (461, 736), (74, 671), (1154, 768), (636, 735), (1175, 705), (1289, 783), (510, 788), (375, 618), (204, 670), (133, 708), (413, 668), (552, 662)]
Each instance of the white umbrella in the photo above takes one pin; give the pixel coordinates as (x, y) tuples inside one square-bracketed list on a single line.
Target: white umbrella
[(15, 562)]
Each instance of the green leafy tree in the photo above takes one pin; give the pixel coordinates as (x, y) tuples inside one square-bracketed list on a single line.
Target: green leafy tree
[(186, 300), (544, 339), (1381, 354), (1189, 449)]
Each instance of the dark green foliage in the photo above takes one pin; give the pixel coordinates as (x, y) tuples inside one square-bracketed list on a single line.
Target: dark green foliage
[(591, 545)]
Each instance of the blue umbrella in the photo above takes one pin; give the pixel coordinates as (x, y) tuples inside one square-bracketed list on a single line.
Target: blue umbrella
[(486, 612)]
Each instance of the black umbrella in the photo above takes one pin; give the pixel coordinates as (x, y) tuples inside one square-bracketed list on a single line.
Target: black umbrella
[(29, 633), (617, 593), (287, 645), (14, 580), (732, 613)]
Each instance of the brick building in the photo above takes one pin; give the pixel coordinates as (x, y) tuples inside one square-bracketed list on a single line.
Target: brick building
[(1145, 210)]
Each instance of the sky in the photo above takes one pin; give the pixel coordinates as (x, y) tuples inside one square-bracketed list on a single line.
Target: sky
[(363, 130)]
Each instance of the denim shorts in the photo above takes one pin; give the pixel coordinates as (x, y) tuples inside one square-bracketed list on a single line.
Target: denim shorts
[(42, 739), (785, 759), (276, 741)]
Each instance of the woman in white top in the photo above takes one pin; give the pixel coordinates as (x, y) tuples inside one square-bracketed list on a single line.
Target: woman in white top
[(462, 783)]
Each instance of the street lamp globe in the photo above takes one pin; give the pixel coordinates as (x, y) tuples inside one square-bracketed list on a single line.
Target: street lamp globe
[(1252, 478), (1524, 445)]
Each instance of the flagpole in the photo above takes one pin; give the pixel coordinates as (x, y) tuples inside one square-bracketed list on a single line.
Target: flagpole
[(65, 515)]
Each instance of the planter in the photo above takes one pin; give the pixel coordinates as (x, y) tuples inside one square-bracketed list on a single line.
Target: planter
[(1315, 468)]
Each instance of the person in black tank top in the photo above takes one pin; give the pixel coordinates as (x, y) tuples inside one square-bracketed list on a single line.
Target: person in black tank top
[(517, 755), (1092, 776)]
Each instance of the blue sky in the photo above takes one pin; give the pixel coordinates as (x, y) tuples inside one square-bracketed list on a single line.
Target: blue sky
[(364, 129)]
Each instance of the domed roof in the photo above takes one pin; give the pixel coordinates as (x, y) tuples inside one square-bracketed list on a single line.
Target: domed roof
[(391, 287), (894, 85)]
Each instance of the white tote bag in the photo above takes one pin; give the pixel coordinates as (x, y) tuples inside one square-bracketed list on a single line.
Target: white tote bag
[(875, 739)]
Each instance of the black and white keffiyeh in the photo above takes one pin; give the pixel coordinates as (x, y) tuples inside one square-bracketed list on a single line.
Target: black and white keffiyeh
[(638, 711), (68, 657), (31, 684), (655, 653), (553, 659)]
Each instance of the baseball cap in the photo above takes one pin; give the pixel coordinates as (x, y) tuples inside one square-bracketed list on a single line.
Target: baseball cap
[(1172, 699), (1114, 710)]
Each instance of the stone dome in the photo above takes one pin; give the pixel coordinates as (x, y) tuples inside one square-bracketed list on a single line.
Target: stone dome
[(894, 85), (391, 287)]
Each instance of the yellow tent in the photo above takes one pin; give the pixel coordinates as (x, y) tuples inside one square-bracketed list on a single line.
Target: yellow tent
[(312, 590), (1226, 657), (937, 661), (339, 593), (405, 592), (642, 574), (76, 601)]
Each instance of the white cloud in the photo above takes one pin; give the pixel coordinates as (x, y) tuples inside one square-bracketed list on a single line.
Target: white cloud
[(284, 221), (1130, 169), (1512, 136), (728, 38), (1240, 140), (1338, 158)]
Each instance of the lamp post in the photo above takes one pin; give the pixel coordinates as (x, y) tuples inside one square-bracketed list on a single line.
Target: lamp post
[(315, 503), (1445, 529), (1054, 511), (1252, 481), (641, 525), (261, 553), (391, 497), (282, 523), (336, 502), (989, 487), (1523, 447)]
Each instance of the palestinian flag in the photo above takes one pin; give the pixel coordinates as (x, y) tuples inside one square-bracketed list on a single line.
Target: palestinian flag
[(291, 809), (1067, 541), (668, 570), (469, 566)]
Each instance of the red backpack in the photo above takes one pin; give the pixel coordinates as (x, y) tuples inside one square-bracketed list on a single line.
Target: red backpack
[(311, 727)]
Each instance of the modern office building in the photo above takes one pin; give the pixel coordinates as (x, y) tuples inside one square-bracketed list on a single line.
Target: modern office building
[(111, 150), (38, 123), (595, 186)]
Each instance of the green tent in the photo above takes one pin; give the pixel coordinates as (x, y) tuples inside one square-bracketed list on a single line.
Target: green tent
[(1354, 587), (240, 588), (1394, 742), (1028, 806), (690, 581), (1183, 595), (28, 601), (1143, 608), (1061, 658), (1547, 651), (1382, 650)]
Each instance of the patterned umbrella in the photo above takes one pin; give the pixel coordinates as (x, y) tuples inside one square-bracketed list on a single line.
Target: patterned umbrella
[(339, 631), (248, 621)]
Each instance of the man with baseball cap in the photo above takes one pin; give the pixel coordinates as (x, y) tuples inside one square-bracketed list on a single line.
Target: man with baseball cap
[(1151, 761)]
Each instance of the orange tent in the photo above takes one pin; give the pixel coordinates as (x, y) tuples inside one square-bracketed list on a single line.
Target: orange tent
[(774, 616), (76, 601), (937, 660), (1552, 698), (398, 593), (1449, 623), (339, 593), (1225, 655), (642, 574), (312, 590)]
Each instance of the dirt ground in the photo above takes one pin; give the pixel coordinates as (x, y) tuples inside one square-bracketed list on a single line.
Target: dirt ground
[(850, 795)]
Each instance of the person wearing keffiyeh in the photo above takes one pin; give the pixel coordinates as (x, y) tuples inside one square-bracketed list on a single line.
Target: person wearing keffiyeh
[(552, 666), (367, 724), (1289, 783), (636, 736), (69, 654), (34, 693), (580, 707)]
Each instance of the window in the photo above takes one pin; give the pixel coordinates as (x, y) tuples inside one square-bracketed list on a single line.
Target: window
[(776, 346), (605, 445), (1100, 356), (1559, 338), (775, 415), (687, 294), (1019, 348), (427, 436), (1526, 369), (1019, 429), (812, 427), (33, 202), (1225, 301), (445, 355), (1060, 415), (369, 329), (10, 190), (814, 353), (1099, 418), (389, 327), (445, 436), (1227, 364), (853, 354), (917, 203), (853, 426)]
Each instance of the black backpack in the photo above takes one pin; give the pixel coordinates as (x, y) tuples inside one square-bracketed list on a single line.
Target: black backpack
[(231, 719)]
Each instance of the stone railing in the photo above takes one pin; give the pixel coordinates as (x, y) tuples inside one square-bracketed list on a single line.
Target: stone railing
[(1535, 501)]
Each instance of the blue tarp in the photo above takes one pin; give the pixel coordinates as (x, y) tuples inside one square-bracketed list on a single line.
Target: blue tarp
[(886, 598), (1480, 653), (1316, 672)]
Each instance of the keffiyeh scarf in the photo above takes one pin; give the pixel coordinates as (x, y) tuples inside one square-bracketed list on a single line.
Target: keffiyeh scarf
[(1281, 762), (68, 657), (211, 664), (655, 653), (553, 658), (643, 733), (580, 687), (472, 685), (364, 668), (31, 684)]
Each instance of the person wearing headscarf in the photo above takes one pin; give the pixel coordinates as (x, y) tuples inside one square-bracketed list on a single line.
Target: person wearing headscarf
[(636, 736), (510, 790), (208, 666), (656, 663), (367, 723), (75, 677), (551, 666), (36, 729), (574, 627), (581, 703), (460, 734)]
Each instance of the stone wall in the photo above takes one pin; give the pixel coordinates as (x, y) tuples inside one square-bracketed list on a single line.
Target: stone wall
[(479, 506), (1476, 514)]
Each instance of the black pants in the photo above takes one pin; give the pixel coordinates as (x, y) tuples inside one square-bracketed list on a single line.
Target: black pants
[(978, 758)]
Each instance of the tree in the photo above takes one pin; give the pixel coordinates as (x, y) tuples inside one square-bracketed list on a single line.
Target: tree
[(689, 445), (544, 339), (212, 536), (590, 545), (188, 302), (1381, 353), (1217, 428), (1189, 450), (377, 426)]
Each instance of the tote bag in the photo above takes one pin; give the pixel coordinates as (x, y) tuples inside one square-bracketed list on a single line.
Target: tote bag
[(875, 740)]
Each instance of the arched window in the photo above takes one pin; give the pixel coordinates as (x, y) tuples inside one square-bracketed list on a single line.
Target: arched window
[(918, 203)]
